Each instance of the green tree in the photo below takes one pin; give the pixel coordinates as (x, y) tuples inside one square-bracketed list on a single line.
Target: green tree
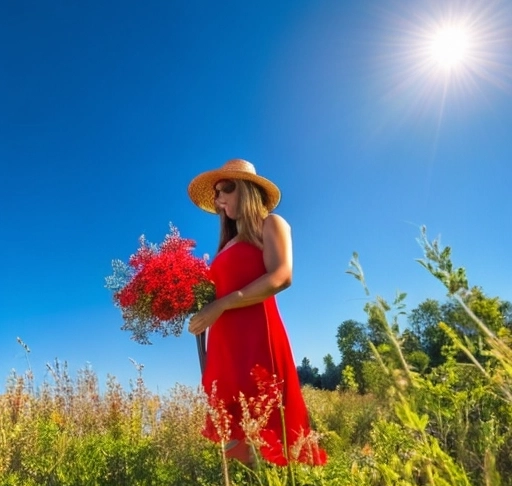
[(410, 342), (506, 312), (424, 323), (487, 309), (376, 326), (308, 375), (353, 343), (331, 377)]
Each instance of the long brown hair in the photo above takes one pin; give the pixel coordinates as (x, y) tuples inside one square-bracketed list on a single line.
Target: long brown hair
[(251, 213)]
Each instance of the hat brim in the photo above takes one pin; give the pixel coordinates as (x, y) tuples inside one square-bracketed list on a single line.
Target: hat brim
[(202, 192)]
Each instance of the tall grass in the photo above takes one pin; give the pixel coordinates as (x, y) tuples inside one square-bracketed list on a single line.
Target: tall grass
[(67, 432)]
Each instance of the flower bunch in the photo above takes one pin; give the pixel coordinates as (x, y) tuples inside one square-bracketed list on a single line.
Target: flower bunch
[(160, 286)]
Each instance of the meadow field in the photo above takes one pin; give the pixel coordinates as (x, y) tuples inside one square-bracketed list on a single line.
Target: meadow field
[(440, 425)]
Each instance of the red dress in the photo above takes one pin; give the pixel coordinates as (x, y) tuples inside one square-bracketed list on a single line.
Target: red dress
[(248, 336)]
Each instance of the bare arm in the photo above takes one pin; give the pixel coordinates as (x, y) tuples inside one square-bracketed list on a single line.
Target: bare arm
[(277, 257)]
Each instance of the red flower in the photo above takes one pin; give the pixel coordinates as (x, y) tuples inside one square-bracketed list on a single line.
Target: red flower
[(255, 415), (273, 450), (269, 390), (312, 454), (161, 286)]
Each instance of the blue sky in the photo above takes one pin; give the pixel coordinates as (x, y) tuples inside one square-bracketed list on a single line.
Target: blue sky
[(109, 109)]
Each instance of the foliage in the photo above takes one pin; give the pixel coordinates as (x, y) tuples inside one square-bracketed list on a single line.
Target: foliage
[(450, 416), (424, 321), (353, 344), (308, 375), (344, 418), (331, 377)]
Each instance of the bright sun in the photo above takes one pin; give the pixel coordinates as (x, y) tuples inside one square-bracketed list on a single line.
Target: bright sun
[(444, 53), (450, 47)]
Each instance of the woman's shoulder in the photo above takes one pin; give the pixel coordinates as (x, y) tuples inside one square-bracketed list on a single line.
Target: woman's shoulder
[(275, 222)]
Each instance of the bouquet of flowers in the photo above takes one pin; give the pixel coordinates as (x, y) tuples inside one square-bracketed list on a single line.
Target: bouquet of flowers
[(160, 286)]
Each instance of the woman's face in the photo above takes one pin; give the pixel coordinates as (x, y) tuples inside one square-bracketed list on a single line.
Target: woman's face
[(226, 197)]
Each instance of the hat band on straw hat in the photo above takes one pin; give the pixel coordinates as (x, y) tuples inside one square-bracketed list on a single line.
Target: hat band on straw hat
[(202, 193)]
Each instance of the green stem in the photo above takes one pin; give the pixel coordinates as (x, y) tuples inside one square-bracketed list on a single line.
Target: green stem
[(285, 445), (225, 472)]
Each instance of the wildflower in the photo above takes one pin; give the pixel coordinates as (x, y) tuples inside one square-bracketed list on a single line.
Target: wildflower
[(219, 417), (256, 411), (272, 450), (307, 450), (259, 430)]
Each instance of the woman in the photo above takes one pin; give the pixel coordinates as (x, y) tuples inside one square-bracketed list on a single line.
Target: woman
[(253, 264)]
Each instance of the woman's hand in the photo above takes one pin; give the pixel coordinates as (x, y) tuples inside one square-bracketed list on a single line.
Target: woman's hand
[(205, 317)]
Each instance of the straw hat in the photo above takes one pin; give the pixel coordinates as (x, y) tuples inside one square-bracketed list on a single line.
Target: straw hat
[(201, 189)]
